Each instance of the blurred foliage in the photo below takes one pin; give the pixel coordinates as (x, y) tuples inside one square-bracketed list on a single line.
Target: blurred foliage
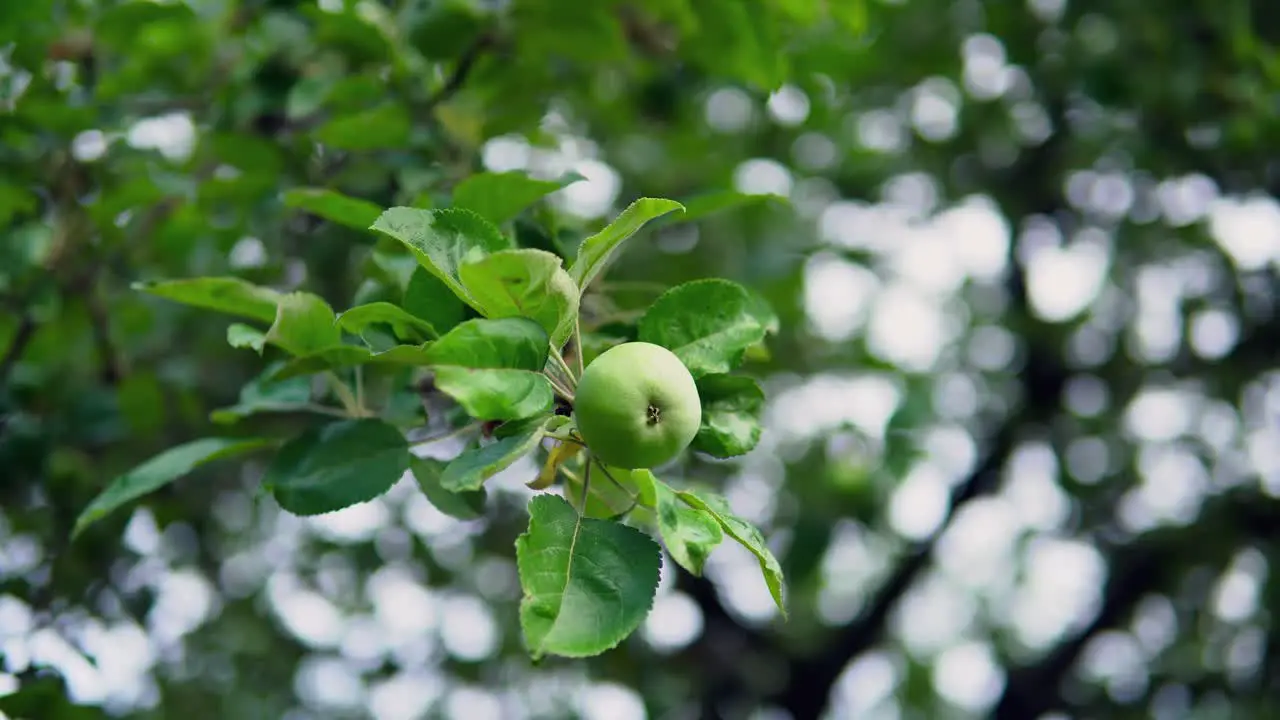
[(144, 140)]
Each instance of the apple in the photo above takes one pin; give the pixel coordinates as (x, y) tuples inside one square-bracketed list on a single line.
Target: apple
[(637, 406)]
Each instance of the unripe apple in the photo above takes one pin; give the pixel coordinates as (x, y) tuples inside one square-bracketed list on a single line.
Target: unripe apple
[(637, 406)]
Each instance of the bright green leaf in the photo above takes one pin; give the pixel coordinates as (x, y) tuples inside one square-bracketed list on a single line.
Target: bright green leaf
[(525, 283), (514, 343), (160, 471), (588, 583), (229, 295), (469, 470), (466, 505), (406, 327), (731, 407), (240, 335), (443, 240), (500, 197), (334, 206), (690, 533), (387, 126), (304, 324), (597, 249), (427, 297), (708, 324), (496, 394), (336, 466), (746, 534)]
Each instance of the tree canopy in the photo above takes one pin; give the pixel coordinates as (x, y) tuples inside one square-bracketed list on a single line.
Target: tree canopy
[(980, 300)]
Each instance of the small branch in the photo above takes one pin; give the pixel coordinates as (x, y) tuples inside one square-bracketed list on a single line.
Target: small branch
[(319, 409), (577, 342), (564, 392), (21, 338), (564, 367), (461, 71), (348, 400), (359, 373)]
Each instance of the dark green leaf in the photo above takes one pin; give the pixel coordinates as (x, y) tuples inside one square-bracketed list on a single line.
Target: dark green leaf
[(160, 471), (525, 283), (345, 356), (746, 534), (336, 466), (265, 395), (427, 297), (588, 583), (730, 415), (229, 295), (466, 505), (690, 533), (597, 249), (443, 240), (708, 324), (334, 206), (406, 327), (500, 197)]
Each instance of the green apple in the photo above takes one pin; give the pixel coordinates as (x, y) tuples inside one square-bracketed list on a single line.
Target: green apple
[(637, 406)]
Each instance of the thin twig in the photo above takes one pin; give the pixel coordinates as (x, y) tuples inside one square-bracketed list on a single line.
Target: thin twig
[(21, 338), (564, 367), (577, 342), (466, 63)]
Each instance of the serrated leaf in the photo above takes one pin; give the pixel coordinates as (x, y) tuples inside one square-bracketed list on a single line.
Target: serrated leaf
[(467, 505), (304, 324), (597, 249), (265, 395), (240, 335), (336, 466), (731, 406), (427, 297), (689, 533), (469, 470), (443, 240), (514, 343), (746, 534), (345, 356), (501, 196), (229, 295), (333, 206), (708, 324), (496, 393), (588, 583), (406, 327), (160, 471), (525, 283)]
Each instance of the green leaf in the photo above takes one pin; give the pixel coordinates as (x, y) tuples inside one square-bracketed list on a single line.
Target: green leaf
[(262, 394), (405, 326), (469, 470), (345, 356), (427, 297), (730, 415), (689, 533), (746, 534), (304, 324), (701, 206), (467, 505), (514, 343), (597, 249), (160, 471), (499, 197), (443, 240), (240, 335), (613, 492), (588, 583), (387, 126), (337, 465), (334, 206), (229, 295), (525, 283), (708, 324), (496, 394)]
